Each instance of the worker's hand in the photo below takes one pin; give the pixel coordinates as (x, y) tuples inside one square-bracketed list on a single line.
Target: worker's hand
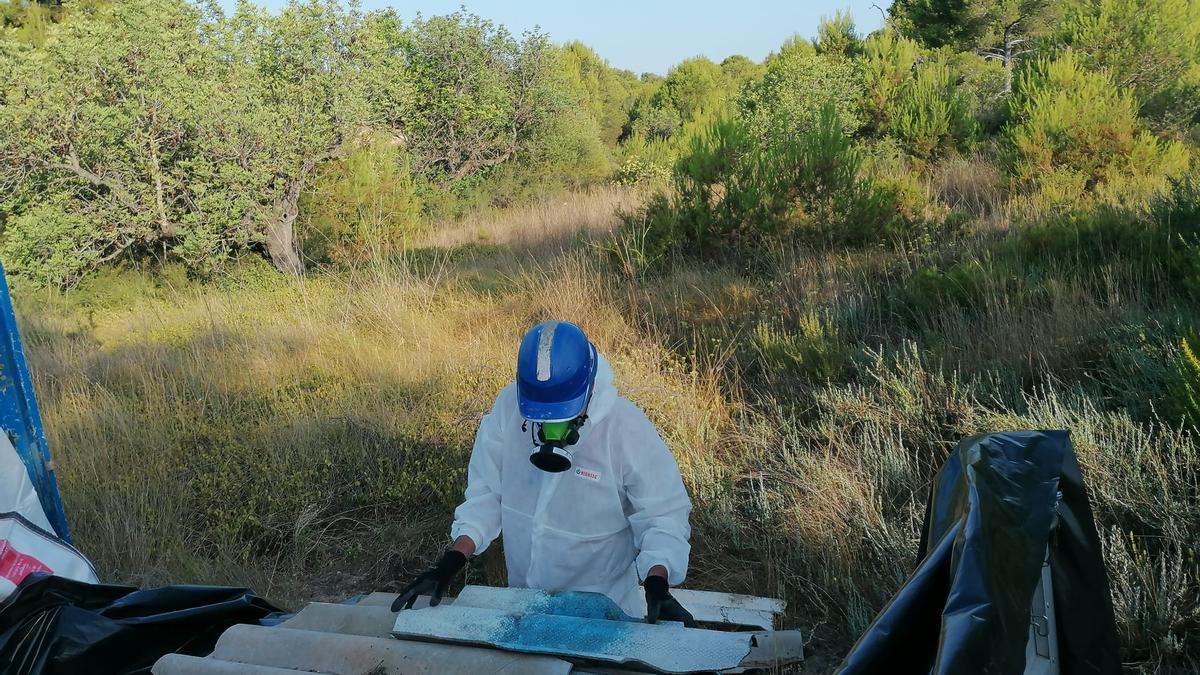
[(433, 582), (660, 604)]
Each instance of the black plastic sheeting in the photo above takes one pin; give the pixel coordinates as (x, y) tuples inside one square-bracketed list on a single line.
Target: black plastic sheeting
[(995, 505), (51, 625)]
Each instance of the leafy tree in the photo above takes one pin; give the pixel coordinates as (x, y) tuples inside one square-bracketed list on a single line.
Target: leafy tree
[(985, 83), (569, 153), (797, 84), (836, 36), (94, 130), (478, 96), (738, 70), (692, 87), (1075, 135), (607, 93), (652, 122), (30, 20), (53, 243), (1005, 30), (181, 133), (1149, 46), (935, 23), (888, 61), (693, 91), (795, 47), (1008, 30), (569, 148), (969, 25), (932, 114), (305, 90), (915, 96)]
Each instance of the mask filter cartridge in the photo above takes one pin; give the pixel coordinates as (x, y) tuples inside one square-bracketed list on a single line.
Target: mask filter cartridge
[(551, 440)]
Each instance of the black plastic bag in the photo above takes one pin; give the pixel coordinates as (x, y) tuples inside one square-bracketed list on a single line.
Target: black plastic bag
[(996, 504), (52, 625)]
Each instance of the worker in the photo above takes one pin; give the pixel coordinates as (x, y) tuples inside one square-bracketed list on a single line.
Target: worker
[(578, 481)]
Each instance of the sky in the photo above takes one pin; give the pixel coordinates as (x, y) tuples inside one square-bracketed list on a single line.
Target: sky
[(652, 35)]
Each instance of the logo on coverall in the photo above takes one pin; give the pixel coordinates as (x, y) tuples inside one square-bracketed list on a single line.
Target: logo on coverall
[(587, 474)]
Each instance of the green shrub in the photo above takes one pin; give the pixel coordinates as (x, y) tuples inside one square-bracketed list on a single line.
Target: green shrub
[(636, 171), (814, 186), (604, 92), (932, 114), (1162, 240), (648, 158), (1189, 267), (570, 150), (962, 287), (984, 83), (735, 193), (362, 206), (1075, 138), (930, 289), (647, 236), (797, 85), (888, 61), (692, 88), (918, 97), (1150, 47), (814, 351), (1095, 234), (110, 288), (252, 273), (1175, 223), (837, 37), (516, 183), (649, 122), (1188, 386), (713, 193), (692, 94)]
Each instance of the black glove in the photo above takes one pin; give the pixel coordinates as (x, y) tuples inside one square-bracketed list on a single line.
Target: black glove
[(432, 583), (660, 604)]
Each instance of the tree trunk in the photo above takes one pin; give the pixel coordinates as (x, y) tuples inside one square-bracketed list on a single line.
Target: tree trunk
[(281, 234)]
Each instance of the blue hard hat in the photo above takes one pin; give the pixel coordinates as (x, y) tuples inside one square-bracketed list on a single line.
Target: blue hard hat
[(556, 368)]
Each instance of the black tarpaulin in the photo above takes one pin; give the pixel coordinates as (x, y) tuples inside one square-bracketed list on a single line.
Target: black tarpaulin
[(51, 625), (995, 506)]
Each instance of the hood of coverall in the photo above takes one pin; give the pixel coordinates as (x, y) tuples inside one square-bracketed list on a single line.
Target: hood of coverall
[(604, 392)]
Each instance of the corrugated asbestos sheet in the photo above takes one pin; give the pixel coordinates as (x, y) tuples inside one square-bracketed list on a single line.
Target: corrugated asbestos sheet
[(705, 606), (500, 630), (666, 648)]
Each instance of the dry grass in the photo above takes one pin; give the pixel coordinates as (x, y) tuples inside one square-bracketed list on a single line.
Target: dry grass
[(309, 439), (552, 223), (972, 184)]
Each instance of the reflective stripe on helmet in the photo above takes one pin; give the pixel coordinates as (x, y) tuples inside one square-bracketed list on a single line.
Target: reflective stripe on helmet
[(545, 343)]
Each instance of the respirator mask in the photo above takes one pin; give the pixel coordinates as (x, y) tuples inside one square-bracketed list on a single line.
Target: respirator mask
[(550, 443)]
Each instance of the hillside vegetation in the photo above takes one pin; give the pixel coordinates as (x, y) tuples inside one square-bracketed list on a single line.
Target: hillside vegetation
[(272, 269)]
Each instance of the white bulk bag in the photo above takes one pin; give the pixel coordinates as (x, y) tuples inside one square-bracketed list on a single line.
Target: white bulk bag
[(27, 541)]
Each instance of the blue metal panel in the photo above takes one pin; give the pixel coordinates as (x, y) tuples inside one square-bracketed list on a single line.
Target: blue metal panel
[(19, 416)]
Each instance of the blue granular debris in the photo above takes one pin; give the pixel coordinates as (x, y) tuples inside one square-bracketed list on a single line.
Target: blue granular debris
[(555, 634), (579, 604)]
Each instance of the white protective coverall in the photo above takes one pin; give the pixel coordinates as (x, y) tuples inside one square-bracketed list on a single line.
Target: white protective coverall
[(601, 525)]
